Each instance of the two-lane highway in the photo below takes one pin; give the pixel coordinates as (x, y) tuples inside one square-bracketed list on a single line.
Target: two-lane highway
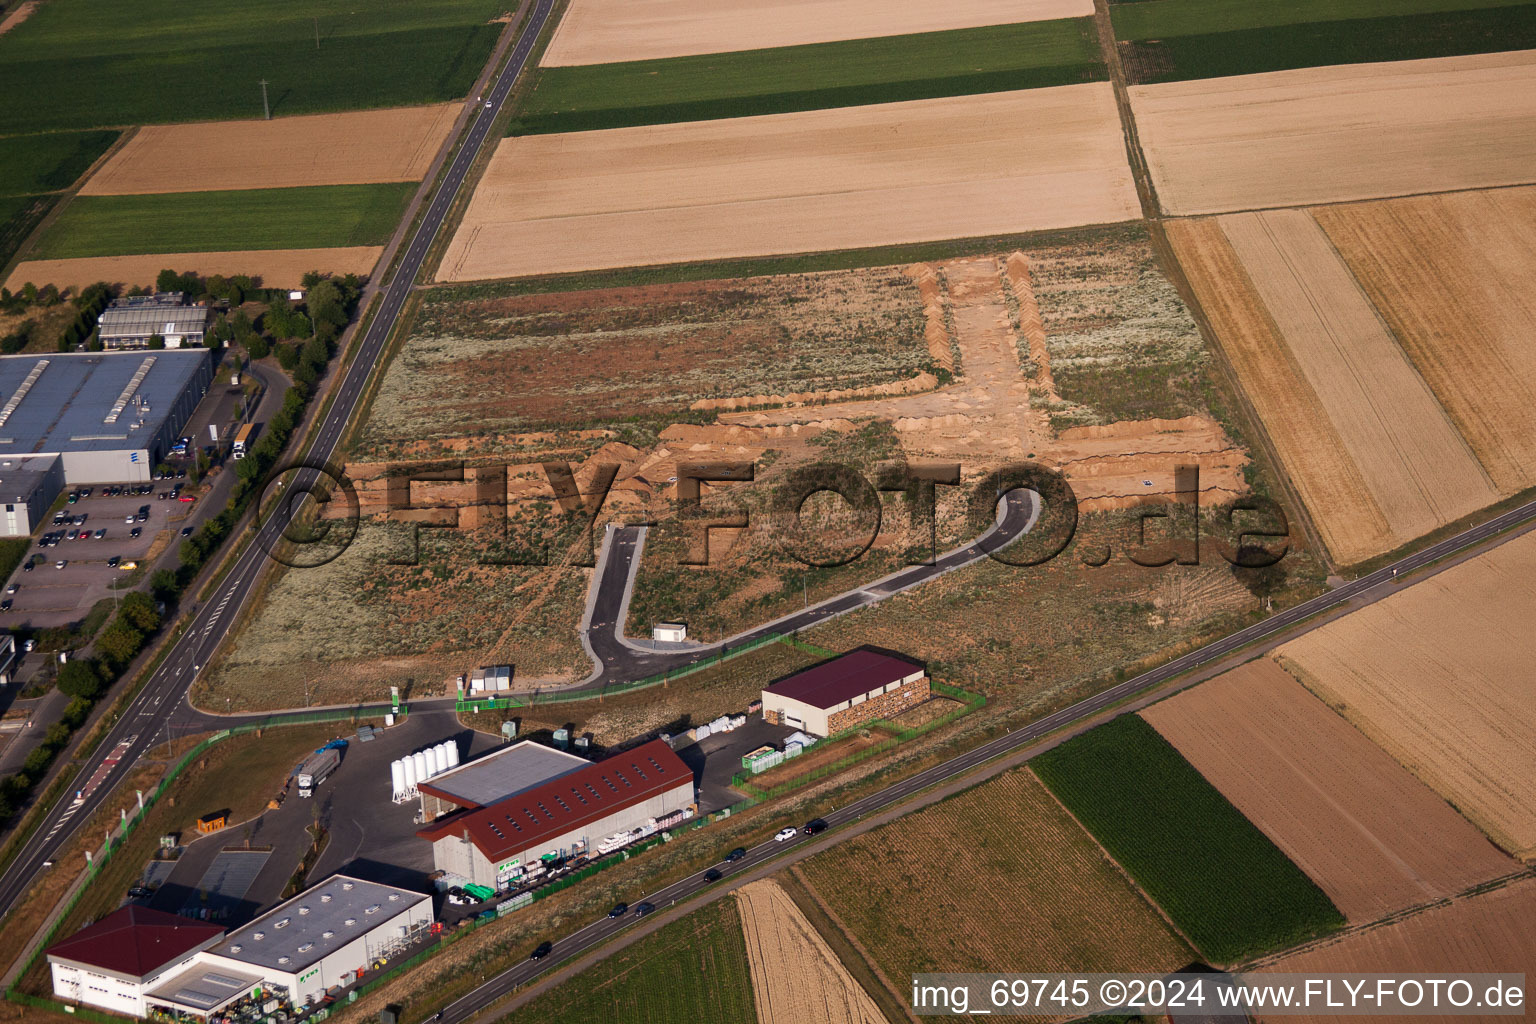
[(162, 696)]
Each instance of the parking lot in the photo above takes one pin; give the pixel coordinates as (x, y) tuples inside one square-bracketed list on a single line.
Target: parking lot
[(87, 545)]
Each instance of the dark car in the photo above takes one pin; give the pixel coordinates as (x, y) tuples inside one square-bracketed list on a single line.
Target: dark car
[(5, 605), (135, 532), (712, 875), (542, 951), (814, 826), (186, 531), (28, 567), (619, 910), (112, 562), (641, 909), (737, 854)]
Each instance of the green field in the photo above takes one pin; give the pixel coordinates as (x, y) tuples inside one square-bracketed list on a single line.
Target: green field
[(93, 63), (1174, 40), (692, 970), (270, 218), (841, 74), (30, 164), (1220, 879)]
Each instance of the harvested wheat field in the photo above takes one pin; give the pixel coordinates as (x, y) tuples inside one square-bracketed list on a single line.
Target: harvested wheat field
[(1489, 932), (277, 268), (803, 182), (1439, 675), (795, 976), (357, 148), (1333, 134), (1373, 837), (606, 31), (1451, 274)]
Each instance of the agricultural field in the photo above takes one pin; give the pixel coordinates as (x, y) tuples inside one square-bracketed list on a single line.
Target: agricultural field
[(795, 975), (1438, 675), (1488, 932), (800, 182), (32, 168), (94, 63), (275, 268), (842, 74), (608, 31), (1450, 276), (694, 969), (1220, 879), (1173, 40), (1375, 839), (1273, 139), (1005, 853), (187, 222), (362, 147)]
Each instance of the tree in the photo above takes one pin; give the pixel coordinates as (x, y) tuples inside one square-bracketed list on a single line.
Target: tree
[(29, 293), (162, 584), (256, 347), (119, 642), (80, 678), (138, 610), (1262, 580), (48, 295), (156, 341)]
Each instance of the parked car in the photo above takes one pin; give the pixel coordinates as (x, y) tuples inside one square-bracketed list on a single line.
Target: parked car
[(619, 910), (814, 826), (101, 534), (712, 875), (136, 532), (541, 951), (788, 832), (128, 519), (186, 531), (29, 645), (61, 563), (736, 854), (641, 909), (27, 566), (5, 605), (186, 497), (13, 588), (112, 562)]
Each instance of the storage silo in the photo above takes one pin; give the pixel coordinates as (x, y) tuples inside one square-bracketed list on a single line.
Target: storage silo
[(423, 770), (397, 779), (453, 753), (409, 767), (439, 759)]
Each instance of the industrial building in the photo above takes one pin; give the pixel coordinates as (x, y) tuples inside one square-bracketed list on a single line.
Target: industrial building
[(130, 322), (836, 695), (503, 773), (107, 417), (589, 811), (28, 487), (115, 962)]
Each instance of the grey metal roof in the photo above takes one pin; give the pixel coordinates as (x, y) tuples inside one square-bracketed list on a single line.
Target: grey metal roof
[(64, 402), (20, 477), (137, 321), (205, 988), (501, 774), (342, 906)]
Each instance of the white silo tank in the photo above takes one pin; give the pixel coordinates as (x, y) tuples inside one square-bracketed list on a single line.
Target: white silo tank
[(396, 778), (423, 770), (438, 758), (408, 767), (453, 753)]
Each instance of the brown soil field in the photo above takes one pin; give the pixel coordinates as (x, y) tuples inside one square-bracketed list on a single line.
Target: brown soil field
[(1005, 853), (795, 975), (1372, 836), (355, 148), (20, 13), (802, 182), (1411, 457), (277, 268), (1333, 134), (1451, 275), (604, 31), (1439, 675), (1489, 932)]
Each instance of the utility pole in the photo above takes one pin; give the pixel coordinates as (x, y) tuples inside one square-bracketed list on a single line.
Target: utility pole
[(317, 32), (265, 109)]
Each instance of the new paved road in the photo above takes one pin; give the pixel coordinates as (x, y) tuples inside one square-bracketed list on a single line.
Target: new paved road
[(161, 697)]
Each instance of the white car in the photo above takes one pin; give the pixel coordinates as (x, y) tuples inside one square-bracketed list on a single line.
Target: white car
[(786, 833)]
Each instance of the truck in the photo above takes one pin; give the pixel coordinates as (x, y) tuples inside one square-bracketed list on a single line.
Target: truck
[(316, 768), (242, 440)]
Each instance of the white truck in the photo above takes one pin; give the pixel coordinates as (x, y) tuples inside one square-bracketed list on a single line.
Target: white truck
[(316, 768)]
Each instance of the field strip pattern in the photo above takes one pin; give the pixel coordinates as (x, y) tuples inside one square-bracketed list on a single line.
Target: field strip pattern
[(795, 975), (610, 31), (1439, 676), (1375, 839), (277, 268), (802, 182), (1334, 134), (357, 148), (1328, 480), (1451, 274), (1417, 467)]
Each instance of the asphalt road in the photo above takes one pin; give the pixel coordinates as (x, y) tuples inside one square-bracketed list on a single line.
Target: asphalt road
[(163, 695), (1369, 588)]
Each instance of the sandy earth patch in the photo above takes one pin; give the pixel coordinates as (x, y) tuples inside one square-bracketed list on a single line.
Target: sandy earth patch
[(17, 15), (277, 268), (1331, 134), (1451, 275), (1490, 932), (803, 182), (606, 31), (1372, 836), (795, 975), (361, 147), (1439, 675)]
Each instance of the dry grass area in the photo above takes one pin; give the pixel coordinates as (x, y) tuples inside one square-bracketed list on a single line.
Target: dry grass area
[(1340, 133), (802, 182), (359, 147), (605, 31), (1005, 853), (1451, 275), (929, 710), (819, 756), (1439, 676), (275, 268), (795, 976), (1490, 932), (1373, 837)]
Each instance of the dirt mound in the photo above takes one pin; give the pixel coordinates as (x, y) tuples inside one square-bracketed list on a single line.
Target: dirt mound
[(935, 332), (1030, 323), (911, 386)]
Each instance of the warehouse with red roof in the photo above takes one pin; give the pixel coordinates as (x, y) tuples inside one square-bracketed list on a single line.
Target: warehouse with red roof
[(114, 962), (846, 691)]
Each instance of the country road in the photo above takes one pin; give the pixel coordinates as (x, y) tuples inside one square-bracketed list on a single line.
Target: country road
[(163, 695)]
